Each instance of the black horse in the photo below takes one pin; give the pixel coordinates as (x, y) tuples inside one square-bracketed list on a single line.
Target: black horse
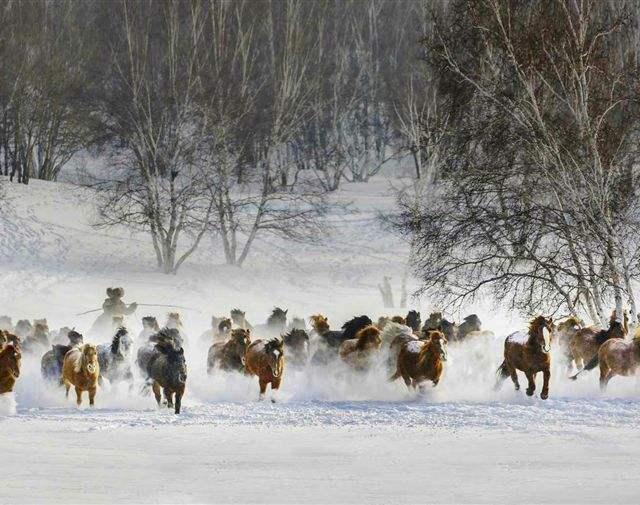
[(167, 369), (115, 358), (297, 347)]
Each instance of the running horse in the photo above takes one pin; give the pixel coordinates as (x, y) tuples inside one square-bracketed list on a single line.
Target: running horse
[(529, 352)]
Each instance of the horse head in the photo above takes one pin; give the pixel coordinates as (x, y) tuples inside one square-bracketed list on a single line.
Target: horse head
[(354, 325), (89, 358), (75, 338), (368, 338), (274, 350), (11, 357), (540, 332), (437, 342), (150, 323), (121, 343), (278, 317), (413, 320), (319, 323)]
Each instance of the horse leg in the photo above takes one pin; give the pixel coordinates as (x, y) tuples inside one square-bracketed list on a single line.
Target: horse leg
[(92, 396), (78, 396), (531, 379), (67, 387), (546, 375), (156, 392), (275, 384), (514, 375), (168, 396), (605, 376), (263, 389), (179, 394)]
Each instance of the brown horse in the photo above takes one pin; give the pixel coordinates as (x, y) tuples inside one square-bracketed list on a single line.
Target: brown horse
[(422, 360), (81, 370), (584, 345), (618, 357), (265, 358), (6, 337), (10, 359), (359, 351), (229, 355), (529, 352)]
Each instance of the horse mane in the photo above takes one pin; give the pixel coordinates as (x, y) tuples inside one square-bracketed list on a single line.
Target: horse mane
[(319, 323), (295, 333), (367, 336), (273, 344), (115, 343), (239, 334), (354, 325), (428, 342), (236, 312), (536, 325), (277, 315), (80, 361)]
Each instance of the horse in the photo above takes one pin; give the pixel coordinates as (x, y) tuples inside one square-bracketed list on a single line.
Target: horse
[(239, 319), (115, 357), (330, 340), (276, 324), (585, 343), (470, 324), (165, 336), (23, 328), (38, 339), (296, 343), (413, 320), (219, 332), (10, 361), (52, 360), (618, 357), (265, 358), (229, 355), (167, 369), (530, 352), (81, 369), (358, 352), (422, 360), (149, 327), (437, 322)]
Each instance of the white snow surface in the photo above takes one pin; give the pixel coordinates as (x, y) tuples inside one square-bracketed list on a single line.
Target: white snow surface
[(334, 436)]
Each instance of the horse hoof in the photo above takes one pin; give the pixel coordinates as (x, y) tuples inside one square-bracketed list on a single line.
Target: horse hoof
[(529, 392), (544, 396)]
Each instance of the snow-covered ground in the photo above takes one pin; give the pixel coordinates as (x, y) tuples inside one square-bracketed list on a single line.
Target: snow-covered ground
[(333, 436)]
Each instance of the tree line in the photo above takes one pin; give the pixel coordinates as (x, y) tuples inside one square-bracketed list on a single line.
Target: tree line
[(534, 197), (228, 117)]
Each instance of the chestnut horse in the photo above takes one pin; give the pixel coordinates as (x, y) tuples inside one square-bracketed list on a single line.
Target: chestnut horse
[(358, 351), (265, 358), (618, 357), (422, 360), (81, 370), (10, 359), (229, 355), (529, 352), (585, 343)]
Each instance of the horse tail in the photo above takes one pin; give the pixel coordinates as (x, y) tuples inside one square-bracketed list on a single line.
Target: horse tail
[(502, 372), (589, 366)]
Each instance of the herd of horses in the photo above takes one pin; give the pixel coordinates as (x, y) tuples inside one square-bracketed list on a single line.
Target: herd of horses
[(410, 349)]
